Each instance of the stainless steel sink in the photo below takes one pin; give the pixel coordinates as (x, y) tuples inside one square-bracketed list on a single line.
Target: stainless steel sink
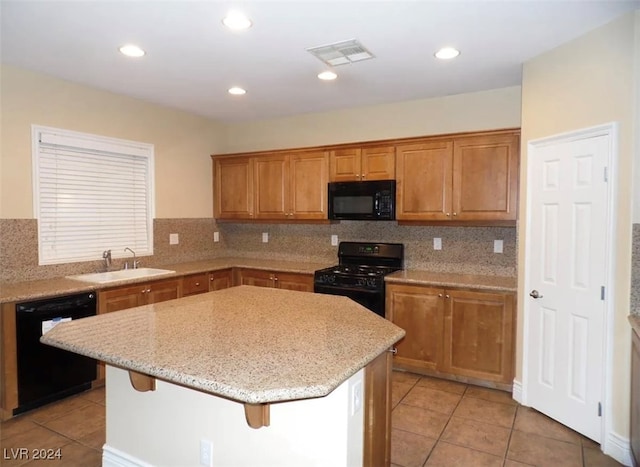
[(123, 274)]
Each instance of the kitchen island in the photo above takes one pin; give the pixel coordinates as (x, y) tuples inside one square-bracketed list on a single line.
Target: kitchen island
[(263, 376)]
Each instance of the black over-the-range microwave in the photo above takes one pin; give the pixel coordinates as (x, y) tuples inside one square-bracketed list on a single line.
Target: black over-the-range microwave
[(370, 200)]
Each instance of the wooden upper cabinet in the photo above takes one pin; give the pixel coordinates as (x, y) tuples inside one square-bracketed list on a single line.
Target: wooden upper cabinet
[(233, 188), (485, 177), (466, 178), (308, 179), (353, 164), (272, 187), (424, 181)]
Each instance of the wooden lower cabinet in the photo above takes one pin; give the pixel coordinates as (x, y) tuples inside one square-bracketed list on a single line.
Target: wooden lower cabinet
[(635, 398), (279, 280), (219, 280), (121, 298), (465, 334)]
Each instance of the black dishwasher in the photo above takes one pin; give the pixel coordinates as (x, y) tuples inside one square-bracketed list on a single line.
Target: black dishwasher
[(46, 373)]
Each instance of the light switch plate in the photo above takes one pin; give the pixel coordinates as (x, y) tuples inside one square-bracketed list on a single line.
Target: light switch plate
[(498, 246), (265, 237), (437, 243), (334, 240), (216, 236), (174, 239)]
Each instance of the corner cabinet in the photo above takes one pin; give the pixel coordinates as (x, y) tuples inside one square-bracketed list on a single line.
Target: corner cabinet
[(233, 188), (466, 178), (463, 334), (279, 280), (369, 163)]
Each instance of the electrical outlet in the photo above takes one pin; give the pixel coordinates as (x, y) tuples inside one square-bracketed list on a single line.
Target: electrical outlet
[(498, 246), (216, 236), (174, 239), (265, 237), (334, 240), (206, 453), (356, 397), (437, 243)]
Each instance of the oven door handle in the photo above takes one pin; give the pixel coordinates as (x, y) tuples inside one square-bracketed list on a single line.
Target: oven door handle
[(333, 290)]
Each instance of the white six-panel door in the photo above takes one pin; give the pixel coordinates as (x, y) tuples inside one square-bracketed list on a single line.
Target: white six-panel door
[(565, 278)]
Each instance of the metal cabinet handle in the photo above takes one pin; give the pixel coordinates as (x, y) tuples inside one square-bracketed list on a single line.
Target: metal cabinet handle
[(393, 350), (275, 279), (148, 290), (535, 294), (144, 291), (211, 278), (440, 295), (448, 214), (197, 284), (447, 296), (455, 214)]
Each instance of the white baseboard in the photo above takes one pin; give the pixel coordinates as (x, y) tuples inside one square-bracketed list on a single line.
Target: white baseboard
[(618, 447), (517, 391), (112, 457)]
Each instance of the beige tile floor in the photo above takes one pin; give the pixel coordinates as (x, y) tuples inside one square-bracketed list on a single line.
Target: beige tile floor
[(443, 423), (434, 423)]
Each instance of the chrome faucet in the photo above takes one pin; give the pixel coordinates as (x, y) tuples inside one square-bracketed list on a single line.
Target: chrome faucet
[(135, 263), (106, 257)]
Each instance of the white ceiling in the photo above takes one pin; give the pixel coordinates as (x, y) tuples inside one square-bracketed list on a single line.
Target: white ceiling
[(192, 59)]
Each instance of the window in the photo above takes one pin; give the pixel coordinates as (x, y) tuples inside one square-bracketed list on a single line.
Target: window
[(91, 193)]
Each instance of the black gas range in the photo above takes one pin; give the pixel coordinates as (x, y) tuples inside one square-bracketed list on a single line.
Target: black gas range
[(360, 272)]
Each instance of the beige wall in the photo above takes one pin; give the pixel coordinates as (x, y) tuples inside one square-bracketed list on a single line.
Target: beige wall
[(586, 82), (183, 142), (486, 110)]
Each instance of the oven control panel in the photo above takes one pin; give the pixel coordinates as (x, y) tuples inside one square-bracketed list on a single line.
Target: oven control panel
[(369, 250)]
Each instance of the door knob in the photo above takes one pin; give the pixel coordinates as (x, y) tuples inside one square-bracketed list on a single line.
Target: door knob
[(535, 294)]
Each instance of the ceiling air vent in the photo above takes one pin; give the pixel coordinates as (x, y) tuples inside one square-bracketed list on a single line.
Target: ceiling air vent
[(341, 53)]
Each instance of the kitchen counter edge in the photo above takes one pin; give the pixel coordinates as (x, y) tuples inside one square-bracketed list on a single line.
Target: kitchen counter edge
[(444, 279)]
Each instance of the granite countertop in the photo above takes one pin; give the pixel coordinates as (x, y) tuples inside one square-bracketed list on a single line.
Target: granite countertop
[(249, 344), (33, 290), (443, 279)]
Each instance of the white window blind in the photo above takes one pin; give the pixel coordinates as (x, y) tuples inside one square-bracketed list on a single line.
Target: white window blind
[(91, 194)]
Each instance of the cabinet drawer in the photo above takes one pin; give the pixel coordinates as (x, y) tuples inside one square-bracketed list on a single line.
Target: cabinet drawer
[(195, 283)]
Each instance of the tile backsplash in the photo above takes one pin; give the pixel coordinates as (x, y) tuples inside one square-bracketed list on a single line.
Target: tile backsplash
[(464, 249)]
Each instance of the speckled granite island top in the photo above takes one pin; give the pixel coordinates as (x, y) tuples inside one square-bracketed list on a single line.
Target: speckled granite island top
[(444, 279), (250, 344)]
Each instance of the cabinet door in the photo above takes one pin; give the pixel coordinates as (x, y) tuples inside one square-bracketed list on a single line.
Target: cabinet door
[(420, 312), (289, 281), (478, 335), (256, 277), (121, 298), (272, 187), (161, 291), (485, 177), (233, 178), (308, 185), (424, 181), (220, 280), (378, 163), (345, 165), (195, 284)]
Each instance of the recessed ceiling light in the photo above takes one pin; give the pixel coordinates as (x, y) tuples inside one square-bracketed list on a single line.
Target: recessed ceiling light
[(236, 91), (447, 53), (327, 75), (131, 50), (236, 21)]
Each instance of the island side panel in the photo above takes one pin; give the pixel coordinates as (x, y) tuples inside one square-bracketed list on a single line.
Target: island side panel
[(165, 426)]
